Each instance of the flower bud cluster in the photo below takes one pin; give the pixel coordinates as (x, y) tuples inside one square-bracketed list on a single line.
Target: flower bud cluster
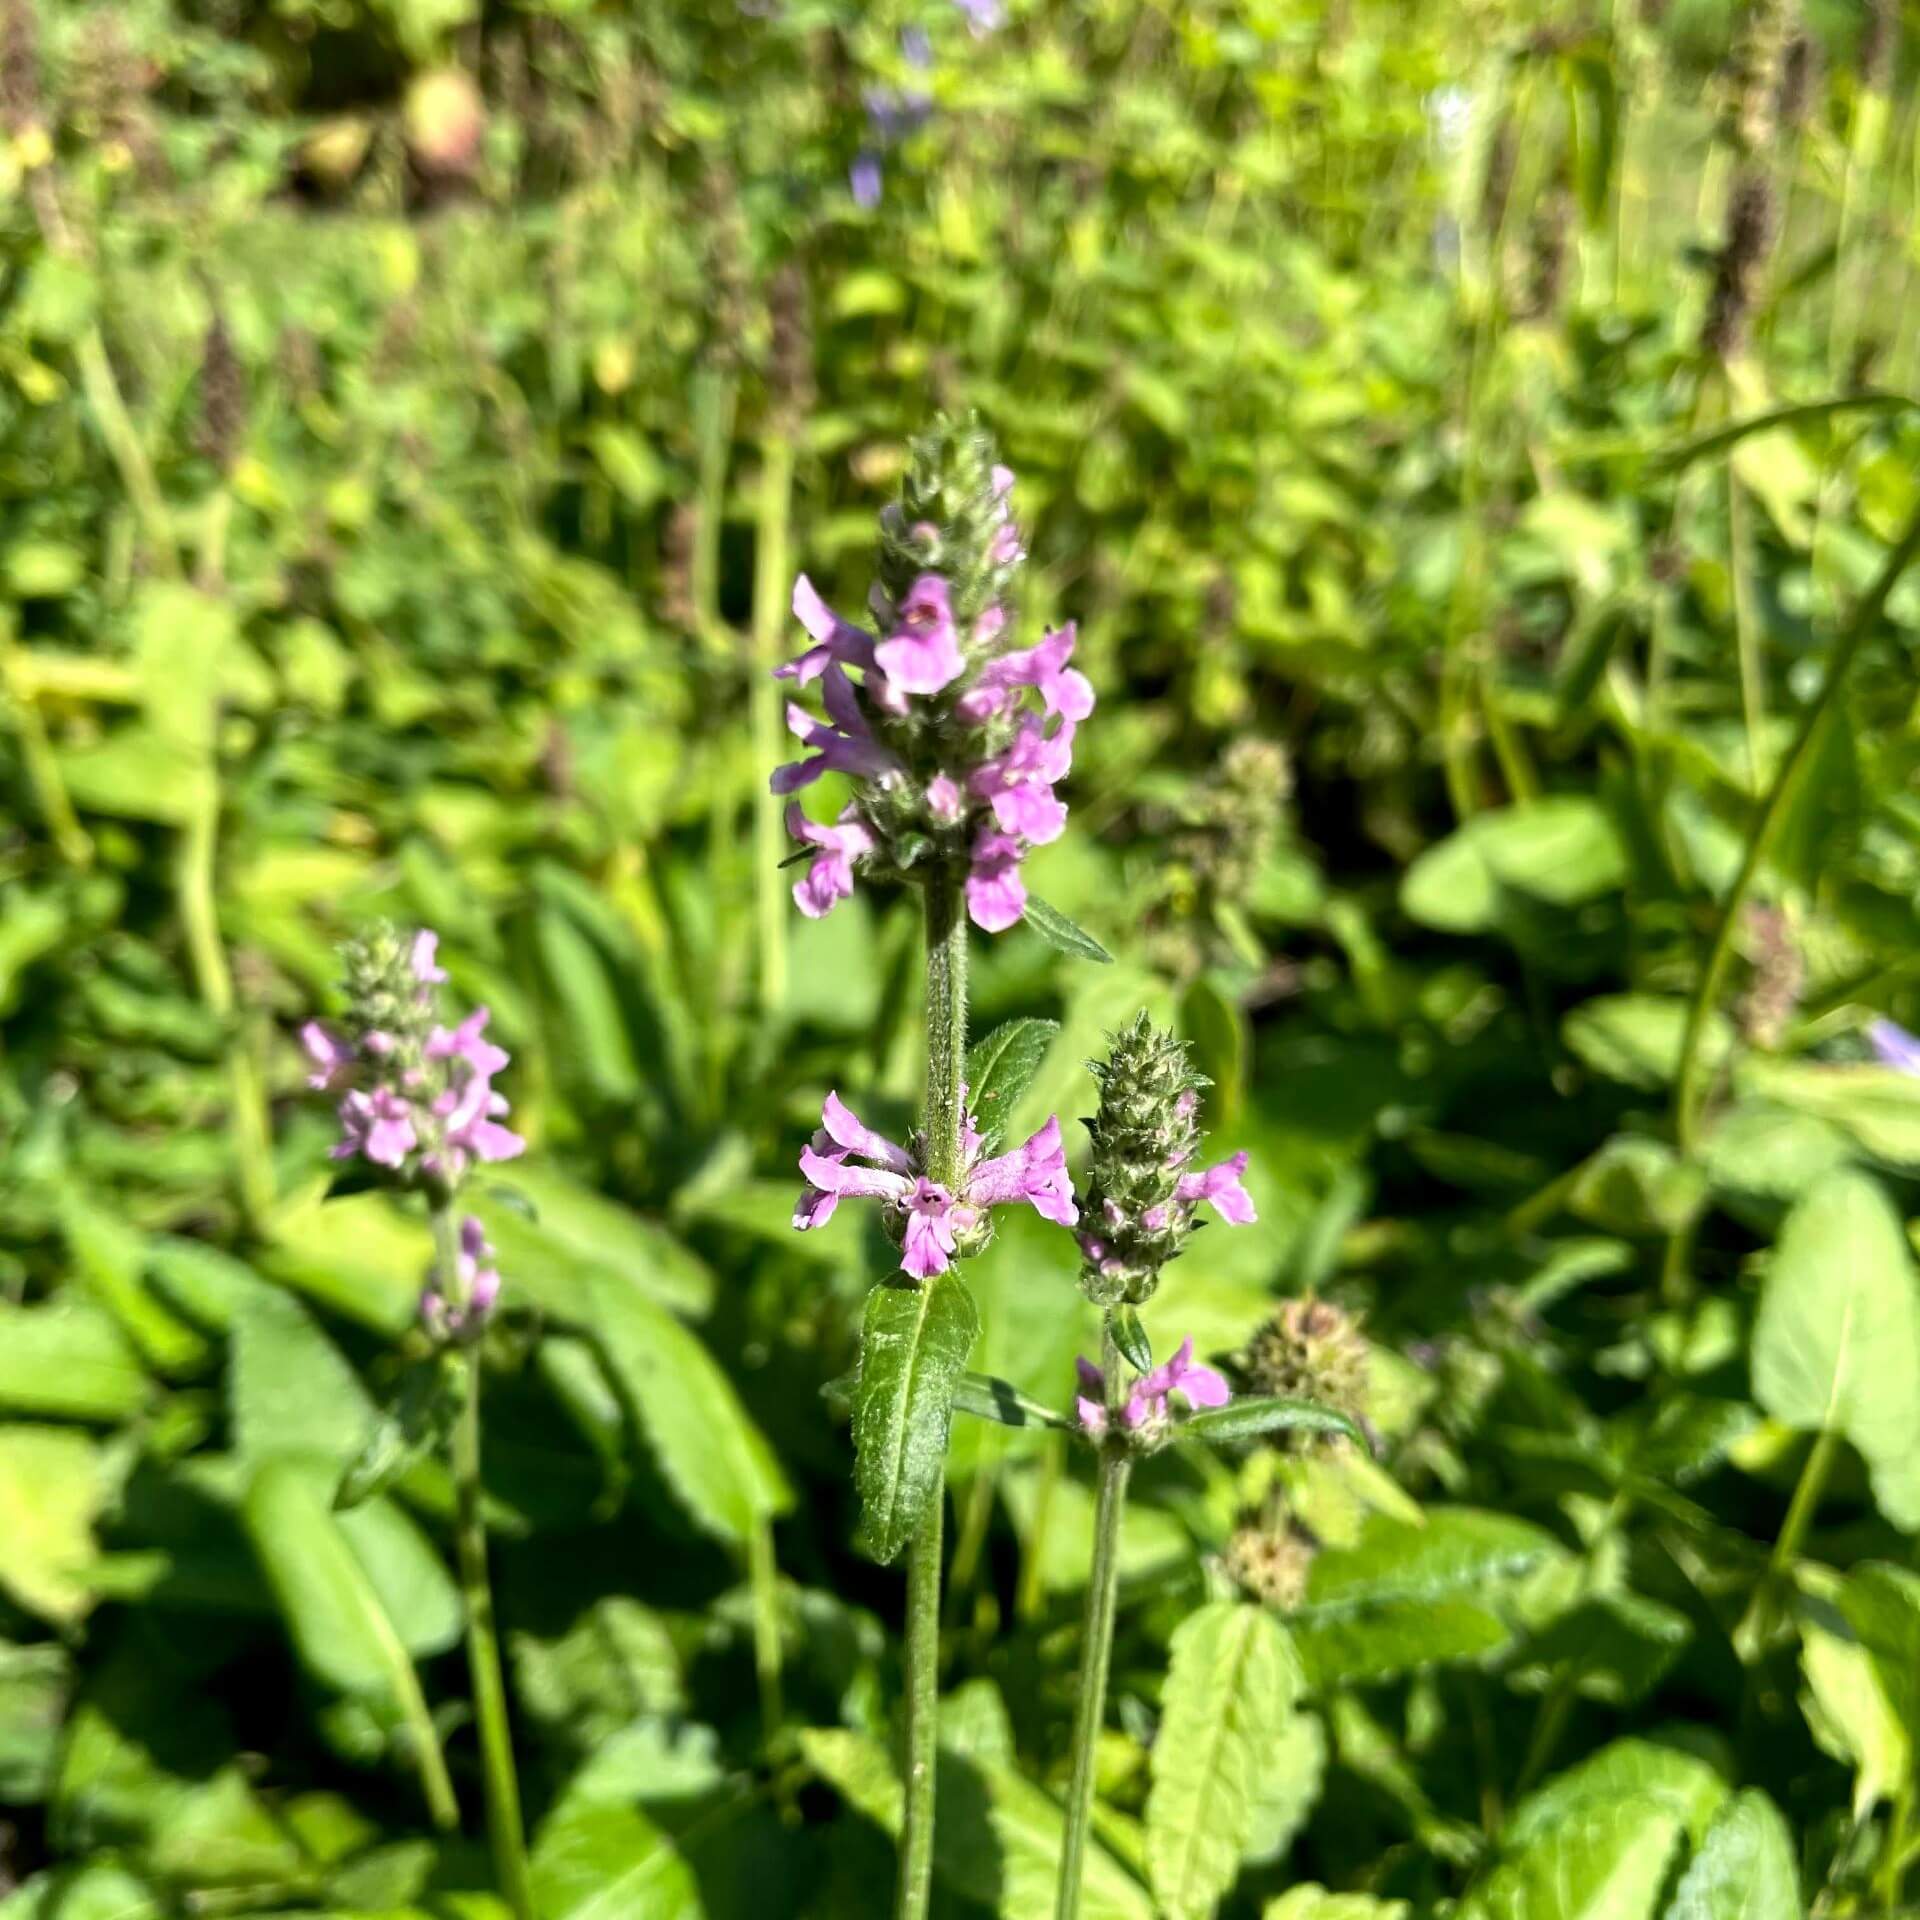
[(1140, 1196), (1311, 1350), (953, 768)]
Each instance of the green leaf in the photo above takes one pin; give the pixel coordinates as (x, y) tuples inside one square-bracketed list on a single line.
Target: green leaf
[(914, 1344), (1000, 1068), (290, 1389), (35, 1683), (112, 1254), (1602, 1861), (52, 1489), (68, 1360), (1638, 1187), (97, 1892), (1676, 1781), (1745, 1868), (360, 1591), (1216, 1025), (714, 1457), (1559, 852), (1635, 1038), (1875, 1107), (1309, 1901), (986, 1398), (1836, 1343), (594, 1862), (1131, 1338), (1230, 1693), (1061, 934), (412, 1428), (1249, 1418), (1852, 1710)]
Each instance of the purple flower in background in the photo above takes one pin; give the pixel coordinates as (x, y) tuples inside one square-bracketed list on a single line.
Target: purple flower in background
[(1149, 1406), (984, 17), (929, 1219), (1893, 1046), (464, 1312), (865, 180)]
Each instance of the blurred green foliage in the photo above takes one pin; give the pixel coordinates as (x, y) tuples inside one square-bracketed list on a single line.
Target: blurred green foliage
[(410, 414)]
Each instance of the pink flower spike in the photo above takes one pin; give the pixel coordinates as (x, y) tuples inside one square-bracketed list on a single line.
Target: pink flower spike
[(464, 1042), (1221, 1187), (378, 1126), (426, 945), (996, 895), (330, 1056), (846, 1129), (829, 879), (924, 655)]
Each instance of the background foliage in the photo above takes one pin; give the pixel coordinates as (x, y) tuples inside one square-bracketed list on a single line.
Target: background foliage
[(411, 412)]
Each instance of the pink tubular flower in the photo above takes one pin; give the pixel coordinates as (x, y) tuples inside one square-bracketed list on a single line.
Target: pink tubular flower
[(1220, 1187), (848, 746), (378, 1126), (426, 945), (996, 895), (1019, 782), (329, 1055), (1150, 1402), (929, 1216), (829, 879), (1893, 1046), (924, 655), (1063, 689), (836, 640)]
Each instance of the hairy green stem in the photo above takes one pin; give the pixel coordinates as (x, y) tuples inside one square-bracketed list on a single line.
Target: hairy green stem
[(945, 1164), (769, 617), (504, 1830), (1096, 1654), (1766, 825)]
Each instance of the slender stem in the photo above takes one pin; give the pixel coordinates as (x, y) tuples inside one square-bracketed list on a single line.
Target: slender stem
[(483, 1644), (713, 406), (1746, 623), (1103, 1586), (769, 614), (945, 1164), (1751, 1636), (923, 1712), (1706, 997)]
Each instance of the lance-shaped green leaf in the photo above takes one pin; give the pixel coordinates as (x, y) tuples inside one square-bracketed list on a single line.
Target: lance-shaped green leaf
[(1131, 1338), (1230, 1694), (1836, 1345), (1061, 934), (1745, 1868), (1250, 1418), (913, 1348), (987, 1397), (1001, 1067)]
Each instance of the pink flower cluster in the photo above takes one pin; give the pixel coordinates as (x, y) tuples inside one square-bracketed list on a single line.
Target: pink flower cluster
[(1149, 1406), (938, 738), (422, 1100), (931, 1220), (1220, 1186)]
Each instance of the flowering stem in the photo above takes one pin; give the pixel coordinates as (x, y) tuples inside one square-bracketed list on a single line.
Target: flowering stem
[(1767, 823), (483, 1645), (1103, 1586), (946, 1070)]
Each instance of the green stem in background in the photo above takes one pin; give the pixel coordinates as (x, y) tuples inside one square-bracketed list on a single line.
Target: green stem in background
[(483, 1642), (1766, 825), (770, 571), (194, 881), (1755, 1629), (1746, 623), (763, 1573), (945, 1164), (1096, 1653), (714, 396)]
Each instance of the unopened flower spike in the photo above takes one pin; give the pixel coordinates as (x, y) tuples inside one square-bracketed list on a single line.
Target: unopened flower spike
[(932, 1225), (1143, 1188), (953, 738)]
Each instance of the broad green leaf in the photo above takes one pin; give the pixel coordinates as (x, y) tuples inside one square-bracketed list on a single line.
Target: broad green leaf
[(1851, 1710), (1876, 1107), (1231, 1686), (35, 1683), (1603, 1860), (713, 1455), (1773, 1153), (610, 1863), (1676, 1781), (97, 1892), (68, 1360), (1061, 934), (360, 1256), (111, 1254), (1745, 1868), (1637, 1187), (1406, 1596), (322, 1566), (1836, 1343), (614, 1664), (1560, 852), (1635, 1038), (599, 1041), (52, 1489), (290, 1389), (1216, 1025), (1295, 1770), (1000, 1068), (1310, 1901), (913, 1346)]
